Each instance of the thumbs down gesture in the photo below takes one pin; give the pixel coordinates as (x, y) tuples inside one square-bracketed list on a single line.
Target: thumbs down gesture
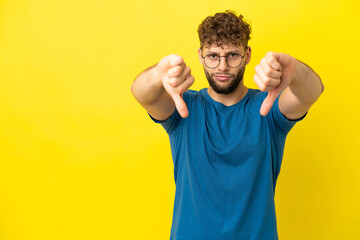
[(273, 75), (177, 79)]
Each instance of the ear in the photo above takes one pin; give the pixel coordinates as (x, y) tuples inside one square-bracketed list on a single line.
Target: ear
[(248, 55), (200, 57)]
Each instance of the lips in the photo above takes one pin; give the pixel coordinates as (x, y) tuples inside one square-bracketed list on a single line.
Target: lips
[(222, 78)]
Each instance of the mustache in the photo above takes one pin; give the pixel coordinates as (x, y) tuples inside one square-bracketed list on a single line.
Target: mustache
[(221, 74)]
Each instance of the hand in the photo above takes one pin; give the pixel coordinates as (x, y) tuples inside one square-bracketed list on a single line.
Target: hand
[(274, 73), (177, 79)]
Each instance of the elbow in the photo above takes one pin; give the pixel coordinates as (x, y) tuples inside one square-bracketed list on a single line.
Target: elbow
[(132, 88), (322, 88)]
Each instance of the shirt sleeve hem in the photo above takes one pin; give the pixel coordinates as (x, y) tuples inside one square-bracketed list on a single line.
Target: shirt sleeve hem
[(161, 121)]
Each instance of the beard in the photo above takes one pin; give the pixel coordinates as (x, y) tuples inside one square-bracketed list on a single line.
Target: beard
[(230, 87)]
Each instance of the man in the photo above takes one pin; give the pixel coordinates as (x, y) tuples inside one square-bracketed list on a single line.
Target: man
[(227, 140)]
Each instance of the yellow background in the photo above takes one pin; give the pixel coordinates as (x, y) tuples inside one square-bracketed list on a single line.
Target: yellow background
[(80, 159)]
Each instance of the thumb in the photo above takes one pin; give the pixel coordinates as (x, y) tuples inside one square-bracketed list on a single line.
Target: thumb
[(180, 105), (268, 102)]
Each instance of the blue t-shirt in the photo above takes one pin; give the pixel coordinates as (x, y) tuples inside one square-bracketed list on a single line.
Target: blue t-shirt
[(226, 162)]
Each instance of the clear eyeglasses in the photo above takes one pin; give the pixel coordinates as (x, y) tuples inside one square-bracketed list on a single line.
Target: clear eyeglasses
[(233, 60)]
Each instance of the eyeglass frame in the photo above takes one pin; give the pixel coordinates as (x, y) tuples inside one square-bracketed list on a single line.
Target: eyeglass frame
[(226, 58)]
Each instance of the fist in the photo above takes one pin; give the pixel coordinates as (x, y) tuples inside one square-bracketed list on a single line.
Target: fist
[(177, 79), (274, 73)]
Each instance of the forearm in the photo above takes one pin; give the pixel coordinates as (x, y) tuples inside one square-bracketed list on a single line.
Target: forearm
[(306, 85), (147, 86)]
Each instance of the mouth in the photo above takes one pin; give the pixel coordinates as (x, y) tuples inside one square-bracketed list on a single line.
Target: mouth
[(222, 78)]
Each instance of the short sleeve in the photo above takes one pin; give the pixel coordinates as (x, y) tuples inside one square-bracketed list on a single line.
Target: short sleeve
[(169, 123), (173, 121), (280, 121)]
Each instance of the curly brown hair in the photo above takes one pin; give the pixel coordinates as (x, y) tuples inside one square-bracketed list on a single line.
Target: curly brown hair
[(224, 29)]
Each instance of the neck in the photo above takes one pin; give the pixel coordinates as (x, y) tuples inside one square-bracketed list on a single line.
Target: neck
[(230, 98)]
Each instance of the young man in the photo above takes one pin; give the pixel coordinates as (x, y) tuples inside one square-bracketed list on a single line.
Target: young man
[(227, 140)]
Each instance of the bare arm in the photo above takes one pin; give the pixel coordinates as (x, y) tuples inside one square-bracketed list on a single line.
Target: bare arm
[(303, 91), (298, 84), (158, 89), (149, 91)]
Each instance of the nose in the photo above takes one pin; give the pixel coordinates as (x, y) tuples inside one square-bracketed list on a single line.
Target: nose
[(223, 66)]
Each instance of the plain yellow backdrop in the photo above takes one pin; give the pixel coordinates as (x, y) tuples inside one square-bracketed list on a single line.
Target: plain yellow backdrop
[(80, 158)]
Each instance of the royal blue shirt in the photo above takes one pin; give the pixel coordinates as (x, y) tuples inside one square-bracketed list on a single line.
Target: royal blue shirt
[(226, 163)]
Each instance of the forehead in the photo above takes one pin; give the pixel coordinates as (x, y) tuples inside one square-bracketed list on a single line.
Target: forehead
[(223, 48)]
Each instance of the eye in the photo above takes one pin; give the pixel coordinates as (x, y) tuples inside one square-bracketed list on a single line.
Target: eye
[(233, 55), (212, 56)]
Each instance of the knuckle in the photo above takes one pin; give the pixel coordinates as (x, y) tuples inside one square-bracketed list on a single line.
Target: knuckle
[(187, 70), (184, 86), (263, 61), (172, 60), (177, 70), (256, 78), (262, 88), (192, 79), (174, 72), (180, 89), (189, 81), (270, 54), (269, 61), (267, 70), (174, 57), (266, 80), (172, 82)]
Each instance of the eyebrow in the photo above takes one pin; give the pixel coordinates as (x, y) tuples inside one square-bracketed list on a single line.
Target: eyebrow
[(234, 51)]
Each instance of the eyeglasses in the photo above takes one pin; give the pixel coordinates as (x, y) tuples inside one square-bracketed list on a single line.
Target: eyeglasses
[(233, 60)]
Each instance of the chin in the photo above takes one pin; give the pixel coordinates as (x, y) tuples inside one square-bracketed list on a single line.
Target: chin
[(224, 88), (228, 88)]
